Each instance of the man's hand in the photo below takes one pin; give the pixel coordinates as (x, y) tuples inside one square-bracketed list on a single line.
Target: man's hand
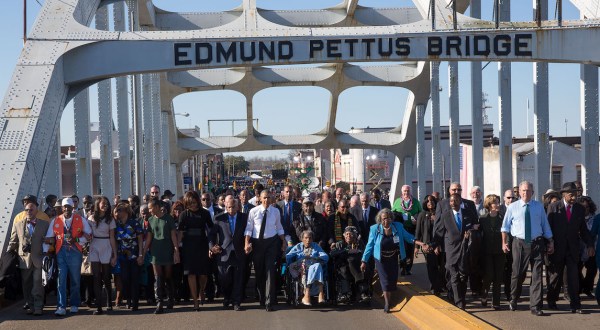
[(550, 248), (437, 250), (591, 251), (416, 252), (248, 248), (505, 247), (284, 246), (476, 227), (332, 246), (363, 267)]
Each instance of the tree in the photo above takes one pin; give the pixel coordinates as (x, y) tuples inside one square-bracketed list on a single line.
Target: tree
[(235, 165)]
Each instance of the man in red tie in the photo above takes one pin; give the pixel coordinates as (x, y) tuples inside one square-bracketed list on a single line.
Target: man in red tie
[(567, 221)]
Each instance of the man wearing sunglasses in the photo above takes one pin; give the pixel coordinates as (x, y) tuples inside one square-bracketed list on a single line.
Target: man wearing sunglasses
[(509, 197)]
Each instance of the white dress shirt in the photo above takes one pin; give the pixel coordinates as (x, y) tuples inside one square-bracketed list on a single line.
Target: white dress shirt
[(273, 223)]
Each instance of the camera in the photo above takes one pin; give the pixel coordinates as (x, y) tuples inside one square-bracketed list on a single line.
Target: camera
[(27, 248)]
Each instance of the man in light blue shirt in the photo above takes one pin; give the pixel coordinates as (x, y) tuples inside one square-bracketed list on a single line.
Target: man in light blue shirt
[(526, 221)]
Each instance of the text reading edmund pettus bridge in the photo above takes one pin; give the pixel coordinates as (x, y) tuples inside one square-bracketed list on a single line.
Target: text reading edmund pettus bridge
[(314, 50)]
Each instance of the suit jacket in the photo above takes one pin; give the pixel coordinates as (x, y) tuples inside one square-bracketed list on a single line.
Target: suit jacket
[(20, 237), (385, 204), (447, 234), (568, 234), (288, 226), (444, 205), (232, 245), (364, 224), (248, 207), (317, 225)]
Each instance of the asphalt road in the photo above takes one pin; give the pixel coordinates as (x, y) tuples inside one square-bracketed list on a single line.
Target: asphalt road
[(211, 316)]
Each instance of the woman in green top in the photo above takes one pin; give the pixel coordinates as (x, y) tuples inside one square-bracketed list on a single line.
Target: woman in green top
[(494, 258), (162, 241), (408, 207)]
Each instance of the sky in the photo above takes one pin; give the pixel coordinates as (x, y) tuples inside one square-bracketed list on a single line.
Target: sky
[(304, 109)]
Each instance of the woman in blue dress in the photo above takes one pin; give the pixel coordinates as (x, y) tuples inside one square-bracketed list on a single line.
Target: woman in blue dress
[(386, 244), (306, 259)]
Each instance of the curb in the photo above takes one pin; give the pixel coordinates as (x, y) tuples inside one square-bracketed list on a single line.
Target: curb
[(419, 309)]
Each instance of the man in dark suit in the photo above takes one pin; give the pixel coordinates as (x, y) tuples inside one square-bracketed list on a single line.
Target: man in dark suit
[(245, 205), (450, 231), (365, 215), (567, 221), (289, 209), (378, 202), (444, 204), (227, 243), (313, 221)]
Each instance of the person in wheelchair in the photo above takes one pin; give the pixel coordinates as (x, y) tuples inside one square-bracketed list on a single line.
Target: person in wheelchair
[(306, 262), (347, 256)]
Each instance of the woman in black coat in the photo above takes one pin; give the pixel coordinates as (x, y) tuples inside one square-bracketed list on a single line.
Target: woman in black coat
[(424, 233)]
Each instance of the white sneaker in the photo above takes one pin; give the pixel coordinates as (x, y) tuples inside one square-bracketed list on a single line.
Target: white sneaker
[(74, 309), (60, 312)]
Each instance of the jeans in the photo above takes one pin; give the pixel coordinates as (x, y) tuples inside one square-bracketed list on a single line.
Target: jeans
[(69, 262)]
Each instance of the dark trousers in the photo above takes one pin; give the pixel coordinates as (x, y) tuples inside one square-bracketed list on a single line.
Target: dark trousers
[(231, 279), (493, 274), (556, 272), (102, 275), (265, 258), (434, 271), (86, 289), (507, 273), (524, 255), (458, 283), (591, 269), (130, 279)]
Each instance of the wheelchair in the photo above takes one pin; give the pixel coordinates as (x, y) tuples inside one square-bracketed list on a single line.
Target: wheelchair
[(294, 288), (346, 291)]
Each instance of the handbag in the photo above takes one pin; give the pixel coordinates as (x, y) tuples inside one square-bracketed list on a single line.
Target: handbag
[(86, 266)]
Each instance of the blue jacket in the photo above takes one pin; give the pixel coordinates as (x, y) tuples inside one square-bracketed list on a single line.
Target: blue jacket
[(373, 247)]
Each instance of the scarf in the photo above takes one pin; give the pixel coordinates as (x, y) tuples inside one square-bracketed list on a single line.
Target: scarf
[(407, 206), (339, 235)]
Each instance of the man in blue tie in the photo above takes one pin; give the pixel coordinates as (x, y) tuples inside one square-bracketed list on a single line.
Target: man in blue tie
[(452, 231), (290, 210), (226, 242), (526, 221)]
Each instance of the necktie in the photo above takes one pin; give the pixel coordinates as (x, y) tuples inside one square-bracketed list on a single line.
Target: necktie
[(245, 208), (569, 213), (527, 224), (458, 222), (33, 221), (261, 234), (289, 206), (365, 215), (378, 206), (232, 224)]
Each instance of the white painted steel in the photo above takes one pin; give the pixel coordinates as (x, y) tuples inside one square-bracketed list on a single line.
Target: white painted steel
[(436, 157), (505, 113), (454, 121), (83, 152), (476, 113)]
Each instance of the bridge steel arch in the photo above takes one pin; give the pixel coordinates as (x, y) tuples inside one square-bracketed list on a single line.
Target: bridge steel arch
[(64, 56)]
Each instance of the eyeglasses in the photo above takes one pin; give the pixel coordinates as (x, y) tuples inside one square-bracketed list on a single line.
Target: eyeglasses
[(510, 197), (121, 210), (205, 199), (154, 192), (456, 189)]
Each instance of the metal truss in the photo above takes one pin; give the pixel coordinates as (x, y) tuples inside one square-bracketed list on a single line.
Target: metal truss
[(64, 56)]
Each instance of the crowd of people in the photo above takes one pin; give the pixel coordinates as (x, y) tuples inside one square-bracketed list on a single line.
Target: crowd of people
[(196, 248)]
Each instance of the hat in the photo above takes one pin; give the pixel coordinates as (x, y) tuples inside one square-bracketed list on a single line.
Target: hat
[(307, 200), (58, 203), (168, 193), (31, 199), (351, 229), (67, 201), (569, 187), (549, 191)]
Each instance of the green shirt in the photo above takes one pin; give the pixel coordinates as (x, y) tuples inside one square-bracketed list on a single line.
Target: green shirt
[(162, 246), (413, 210)]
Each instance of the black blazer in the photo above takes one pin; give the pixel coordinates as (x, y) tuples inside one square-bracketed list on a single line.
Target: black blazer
[(365, 225), (446, 233), (288, 227), (221, 234), (424, 230), (384, 203), (248, 207), (351, 221), (317, 224), (567, 234)]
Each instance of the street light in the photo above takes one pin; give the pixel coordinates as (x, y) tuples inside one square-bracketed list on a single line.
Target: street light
[(183, 114)]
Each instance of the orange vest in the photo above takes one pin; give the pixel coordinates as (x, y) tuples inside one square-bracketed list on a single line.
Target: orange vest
[(76, 230)]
